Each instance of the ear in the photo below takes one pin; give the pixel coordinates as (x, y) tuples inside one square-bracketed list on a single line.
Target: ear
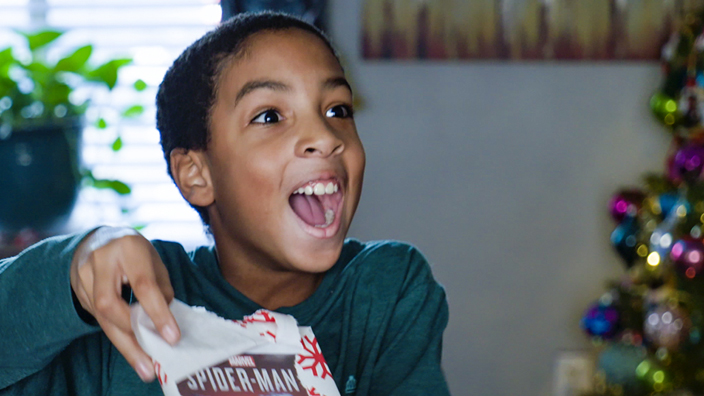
[(192, 176)]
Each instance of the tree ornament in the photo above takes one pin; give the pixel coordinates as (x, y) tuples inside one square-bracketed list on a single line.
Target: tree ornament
[(600, 320), (624, 238), (690, 104), (666, 326), (664, 108), (667, 202), (654, 376), (618, 363), (669, 49), (626, 203), (688, 163), (688, 256)]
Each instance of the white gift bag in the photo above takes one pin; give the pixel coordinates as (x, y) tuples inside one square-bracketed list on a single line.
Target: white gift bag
[(265, 353)]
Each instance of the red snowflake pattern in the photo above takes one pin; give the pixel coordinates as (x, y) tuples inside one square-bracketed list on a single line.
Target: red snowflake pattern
[(259, 316), (268, 333), (316, 356), (312, 392), (241, 323)]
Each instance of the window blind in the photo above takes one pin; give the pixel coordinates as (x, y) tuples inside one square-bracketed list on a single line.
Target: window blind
[(153, 33)]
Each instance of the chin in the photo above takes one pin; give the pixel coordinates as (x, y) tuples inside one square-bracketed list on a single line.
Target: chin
[(316, 258)]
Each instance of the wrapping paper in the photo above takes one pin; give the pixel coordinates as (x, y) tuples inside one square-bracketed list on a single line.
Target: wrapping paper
[(265, 353)]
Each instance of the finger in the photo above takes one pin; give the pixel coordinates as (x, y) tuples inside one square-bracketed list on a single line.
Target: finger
[(162, 278), (108, 303), (85, 288), (127, 345), (153, 301)]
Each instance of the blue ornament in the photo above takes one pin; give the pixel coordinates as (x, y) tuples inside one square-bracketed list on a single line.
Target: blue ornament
[(624, 238), (619, 363), (600, 320), (667, 202)]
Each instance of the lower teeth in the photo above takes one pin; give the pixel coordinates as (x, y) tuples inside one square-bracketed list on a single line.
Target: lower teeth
[(329, 218)]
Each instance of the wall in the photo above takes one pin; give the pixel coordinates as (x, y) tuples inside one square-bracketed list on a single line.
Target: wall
[(501, 174)]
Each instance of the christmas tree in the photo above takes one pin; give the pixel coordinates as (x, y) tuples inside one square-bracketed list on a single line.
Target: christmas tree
[(648, 325)]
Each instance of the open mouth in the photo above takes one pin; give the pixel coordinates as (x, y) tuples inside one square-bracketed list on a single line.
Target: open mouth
[(317, 203)]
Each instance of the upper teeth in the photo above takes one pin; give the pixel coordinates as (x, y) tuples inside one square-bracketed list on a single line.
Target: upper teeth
[(318, 189)]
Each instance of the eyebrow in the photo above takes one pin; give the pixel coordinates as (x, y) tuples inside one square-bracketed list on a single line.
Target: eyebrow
[(334, 82), (329, 84), (260, 84)]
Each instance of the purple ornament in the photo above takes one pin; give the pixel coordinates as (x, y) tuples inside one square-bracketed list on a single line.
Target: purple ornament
[(625, 203), (688, 256), (687, 163), (600, 320)]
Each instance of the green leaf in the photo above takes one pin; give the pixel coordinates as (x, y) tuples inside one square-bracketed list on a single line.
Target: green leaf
[(57, 93), (115, 185), (75, 61), (139, 227), (81, 108), (107, 72), (7, 58), (36, 67), (117, 144), (139, 85), (133, 111), (40, 39), (101, 123), (7, 86)]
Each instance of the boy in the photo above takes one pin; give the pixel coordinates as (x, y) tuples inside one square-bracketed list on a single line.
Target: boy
[(257, 130)]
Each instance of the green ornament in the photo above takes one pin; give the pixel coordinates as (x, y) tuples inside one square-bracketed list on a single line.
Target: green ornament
[(654, 375), (664, 108)]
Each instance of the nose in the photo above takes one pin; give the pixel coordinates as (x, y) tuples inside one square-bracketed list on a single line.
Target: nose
[(319, 139)]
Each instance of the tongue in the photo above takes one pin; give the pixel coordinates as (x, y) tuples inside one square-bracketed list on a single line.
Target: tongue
[(308, 208)]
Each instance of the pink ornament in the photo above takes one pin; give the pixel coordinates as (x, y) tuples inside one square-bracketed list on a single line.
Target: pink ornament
[(625, 203), (688, 256)]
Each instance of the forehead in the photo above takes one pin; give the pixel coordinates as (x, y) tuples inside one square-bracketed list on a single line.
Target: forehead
[(282, 53)]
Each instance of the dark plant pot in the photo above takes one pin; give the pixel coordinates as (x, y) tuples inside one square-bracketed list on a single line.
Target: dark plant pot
[(39, 176)]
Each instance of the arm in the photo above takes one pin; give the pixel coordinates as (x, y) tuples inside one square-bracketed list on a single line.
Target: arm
[(410, 359), (38, 319), (44, 317)]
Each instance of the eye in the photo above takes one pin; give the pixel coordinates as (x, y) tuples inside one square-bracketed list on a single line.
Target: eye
[(340, 111), (269, 116)]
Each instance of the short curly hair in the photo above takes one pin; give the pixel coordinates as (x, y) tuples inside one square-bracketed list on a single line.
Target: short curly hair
[(186, 96)]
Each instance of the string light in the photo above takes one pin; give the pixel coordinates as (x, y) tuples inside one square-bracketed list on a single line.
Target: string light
[(681, 211), (659, 376), (666, 240), (643, 368), (653, 259), (670, 106)]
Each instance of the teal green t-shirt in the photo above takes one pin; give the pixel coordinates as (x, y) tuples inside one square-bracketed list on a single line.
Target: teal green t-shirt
[(378, 316)]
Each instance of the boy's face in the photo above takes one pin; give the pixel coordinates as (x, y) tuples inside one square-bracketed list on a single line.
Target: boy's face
[(280, 125)]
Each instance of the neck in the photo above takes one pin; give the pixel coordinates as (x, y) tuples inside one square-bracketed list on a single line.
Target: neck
[(265, 284)]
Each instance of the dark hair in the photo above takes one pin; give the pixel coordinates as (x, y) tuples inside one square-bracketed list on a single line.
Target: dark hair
[(187, 94)]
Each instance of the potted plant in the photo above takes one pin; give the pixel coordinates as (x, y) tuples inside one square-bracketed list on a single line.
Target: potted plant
[(41, 119)]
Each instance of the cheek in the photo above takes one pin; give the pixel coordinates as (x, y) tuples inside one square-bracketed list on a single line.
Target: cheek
[(254, 182), (356, 158)]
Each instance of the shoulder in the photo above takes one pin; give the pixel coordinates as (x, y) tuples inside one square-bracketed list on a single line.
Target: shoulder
[(175, 255), (388, 264), (170, 249)]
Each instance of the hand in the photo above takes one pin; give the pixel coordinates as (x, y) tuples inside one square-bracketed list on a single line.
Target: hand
[(105, 261)]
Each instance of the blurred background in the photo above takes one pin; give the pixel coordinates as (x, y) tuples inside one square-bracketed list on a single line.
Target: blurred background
[(499, 172)]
